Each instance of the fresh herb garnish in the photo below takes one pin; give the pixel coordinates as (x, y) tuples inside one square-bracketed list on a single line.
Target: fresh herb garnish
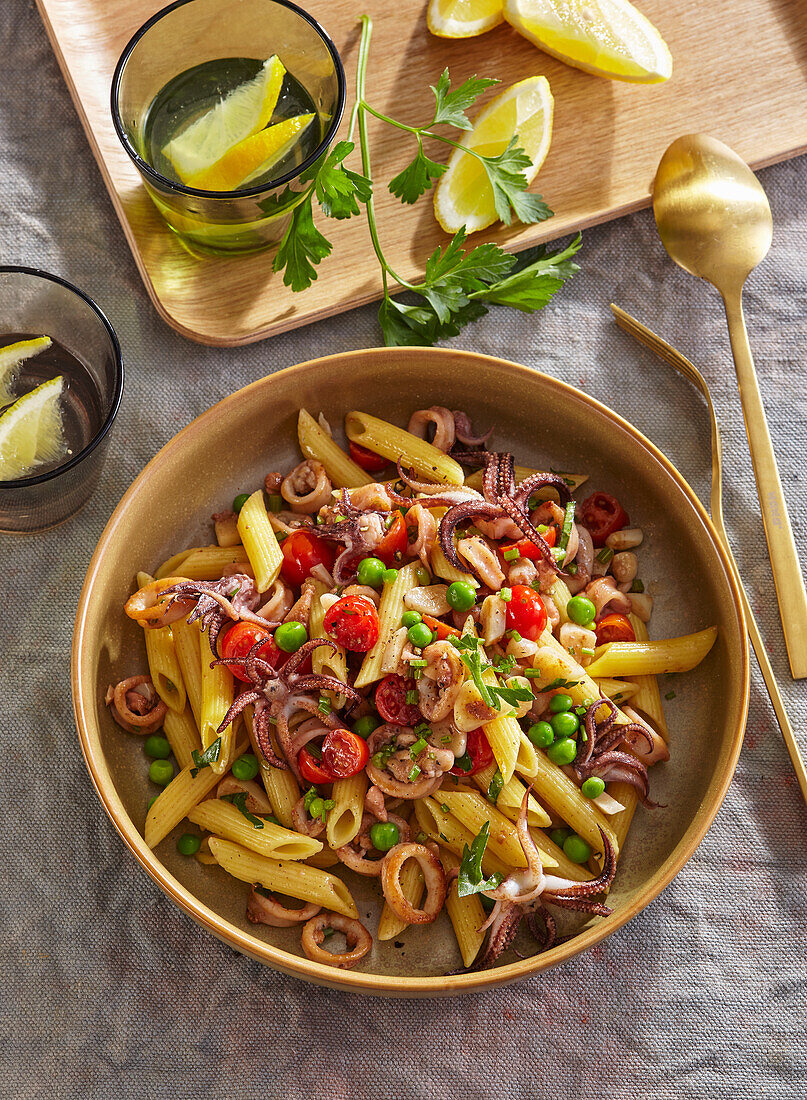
[(670, 695), (470, 880), (472, 656), (458, 286), (239, 800), (637, 586), (496, 786), (559, 682), (206, 758), (568, 520), (418, 747)]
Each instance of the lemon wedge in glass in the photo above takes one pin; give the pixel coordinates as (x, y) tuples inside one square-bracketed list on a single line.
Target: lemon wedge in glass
[(12, 356), (605, 37), (464, 196), (463, 18), (242, 112), (31, 431), (251, 157)]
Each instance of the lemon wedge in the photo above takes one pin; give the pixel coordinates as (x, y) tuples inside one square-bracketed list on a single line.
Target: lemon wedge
[(10, 359), (464, 196), (242, 112), (463, 18), (606, 37), (31, 430), (251, 157)]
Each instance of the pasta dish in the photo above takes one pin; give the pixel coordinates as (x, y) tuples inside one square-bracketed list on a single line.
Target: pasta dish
[(411, 660)]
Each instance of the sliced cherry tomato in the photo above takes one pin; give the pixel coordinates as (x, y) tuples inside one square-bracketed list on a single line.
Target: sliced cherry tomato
[(442, 630), (614, 628), (344, 753), (240, 639), (367, 459), (391, 704), (353, 623), (303, 550), (602, 514), (313, 770), (394, 542), (526, 612), (526, 548), (478, 750)]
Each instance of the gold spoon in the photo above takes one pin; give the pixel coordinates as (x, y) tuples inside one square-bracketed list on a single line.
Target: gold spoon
[(676, 360), (714, 220)]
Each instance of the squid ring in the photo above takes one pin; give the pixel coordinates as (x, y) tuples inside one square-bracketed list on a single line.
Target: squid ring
[(433, 876), (138, 723), (148, 608), (359, 940), (266, 909)]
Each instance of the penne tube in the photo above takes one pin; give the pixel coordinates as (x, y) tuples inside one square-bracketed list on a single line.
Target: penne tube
[(325, 858), (260, 541), (503, 733), (217, 698), (653, 658), (280, 786), (466, 915), (208, 563), (526, 763), (574, 481), (166, 675), (395, 443), (411, 880), (176, 800), (560, 597), (556, 663), (186, 646), (563, 796), (472, 811), (291, 878), (325, 661), (183, 735), (442, 567), (441, 826), (224, 819), (389, 620), (618, 691), (315, 443), (344, 820), (511, 797), (170, 568)]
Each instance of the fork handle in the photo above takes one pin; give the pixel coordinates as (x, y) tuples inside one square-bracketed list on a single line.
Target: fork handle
[(781, 546)]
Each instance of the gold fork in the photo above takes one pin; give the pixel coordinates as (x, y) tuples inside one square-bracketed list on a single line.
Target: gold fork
[(678, 362)]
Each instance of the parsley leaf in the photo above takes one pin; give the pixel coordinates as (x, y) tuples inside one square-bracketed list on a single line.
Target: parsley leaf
[(416, 178), (496, 786), (301, 249), (450, 107), (531, 286), (470, 880), (206, 758), (339, 191), (239, 800), (506, 175), (512, 695), (471, 657)]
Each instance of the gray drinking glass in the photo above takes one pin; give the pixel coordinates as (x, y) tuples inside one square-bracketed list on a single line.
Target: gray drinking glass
[(169, 48), (34, 303)]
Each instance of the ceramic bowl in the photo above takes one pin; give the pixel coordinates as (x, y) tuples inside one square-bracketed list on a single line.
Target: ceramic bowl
[(545, 423)]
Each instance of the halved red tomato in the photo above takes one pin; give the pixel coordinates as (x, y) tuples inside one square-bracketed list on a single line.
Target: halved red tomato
[(344, 753), (367, 459), (478, 755), (439, 629), (526, 612), (526, 548), (602, 514), (352, 622), (239, 640), (311, 769), (614, 628), (391, 704), (394, 542), (302, 550)]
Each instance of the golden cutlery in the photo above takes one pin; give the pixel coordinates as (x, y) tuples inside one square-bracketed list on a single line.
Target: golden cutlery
[(678, 362), (714, 220)]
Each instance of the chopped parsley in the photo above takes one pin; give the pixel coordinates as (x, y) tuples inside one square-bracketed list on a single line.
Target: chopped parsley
[(470, 879), (206, 758), (239, 800), (496, 786)]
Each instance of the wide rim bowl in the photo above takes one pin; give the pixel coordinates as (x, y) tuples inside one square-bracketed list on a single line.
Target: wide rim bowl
[(359, 365)]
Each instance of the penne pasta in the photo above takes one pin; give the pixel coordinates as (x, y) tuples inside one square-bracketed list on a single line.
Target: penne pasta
[(565, 868), (280, 786), (315, 443), (442, 567), (560, 597), (344, 820), (618, 691), (186, 646), (563, 796), (466, 915), (511, 797), (411, 880), (653, 658), (224, 819), (176, 800), (472, 811), (396, 444), (170, 568), (183, 735), (441, 826), (260, 541), (389, 620), (166, 675), (208, 563), (217, 698), (326, 858), (294, 879)]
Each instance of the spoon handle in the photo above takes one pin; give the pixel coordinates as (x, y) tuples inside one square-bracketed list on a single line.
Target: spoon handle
[(781, 546)]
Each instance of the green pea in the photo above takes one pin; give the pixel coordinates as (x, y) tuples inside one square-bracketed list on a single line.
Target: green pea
[(576, 849), (290, 636), (593, 787), (240, 501), (558, 836), (423, 575), (245, 767), (157, 747), (541, 734), (161, 772), (461, 596), (420, 635), (563, 751), (389, 576), (189, 844), (384, 835), (560, 703), (411, 618), (581, 610), (316, 807), (363, 727), (371, 571), (565, 724)]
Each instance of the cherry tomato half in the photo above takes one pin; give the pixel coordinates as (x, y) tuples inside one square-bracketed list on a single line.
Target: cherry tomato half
[(367, 459), (353, 623), (526, 548), (240, 639), (344, 753), (391, 704), (440, 629), (394, 542), (478, 750), (526, 612), (614, 628), (312, 770), (602, 514), (302, 550)]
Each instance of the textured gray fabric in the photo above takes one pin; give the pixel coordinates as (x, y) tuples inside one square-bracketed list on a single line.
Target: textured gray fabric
[(110, 991)]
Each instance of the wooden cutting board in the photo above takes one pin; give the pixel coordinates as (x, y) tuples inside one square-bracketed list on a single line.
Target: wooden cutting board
[(740, 73)]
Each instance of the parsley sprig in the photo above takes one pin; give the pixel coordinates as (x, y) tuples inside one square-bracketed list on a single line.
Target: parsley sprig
[(472, 655), (458, 285), (206, 758), (470, 879)]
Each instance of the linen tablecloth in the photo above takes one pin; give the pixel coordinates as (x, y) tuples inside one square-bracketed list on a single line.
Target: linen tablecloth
[(110, 991)]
